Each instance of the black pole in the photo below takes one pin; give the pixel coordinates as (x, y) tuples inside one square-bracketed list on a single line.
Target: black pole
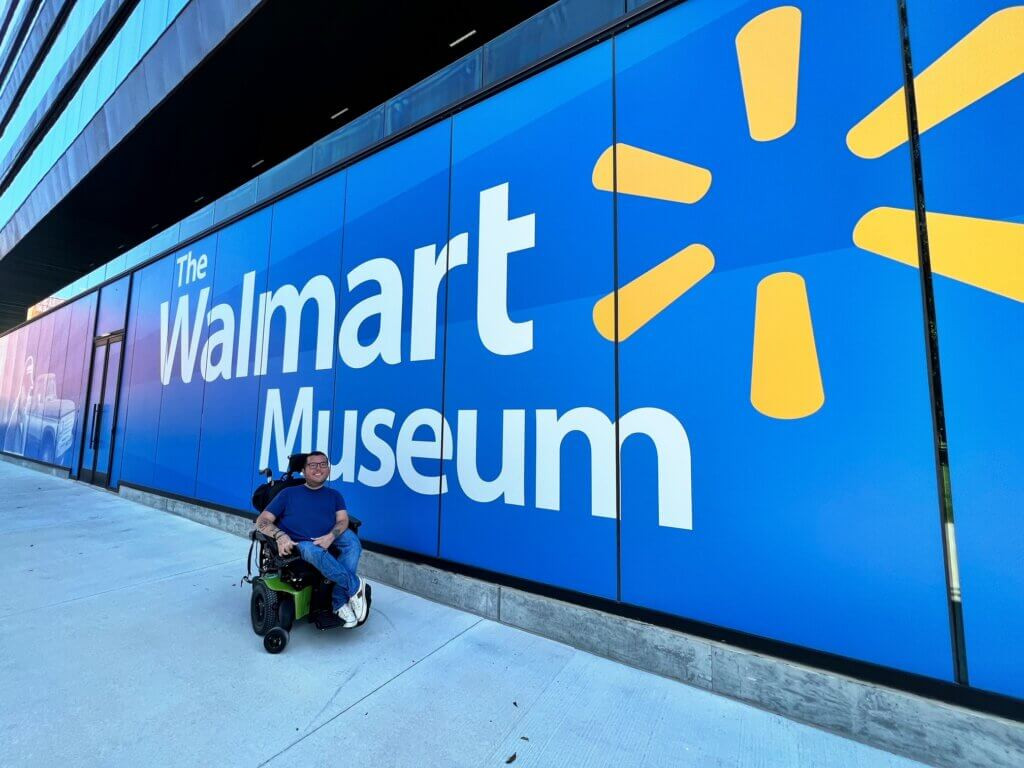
[(953, 592)]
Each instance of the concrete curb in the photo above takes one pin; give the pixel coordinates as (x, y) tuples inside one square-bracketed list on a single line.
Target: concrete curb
[(214, 518), (46, 469), (922, 729)]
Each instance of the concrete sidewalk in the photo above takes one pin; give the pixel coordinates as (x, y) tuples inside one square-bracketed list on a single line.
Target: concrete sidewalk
[(125, 640)]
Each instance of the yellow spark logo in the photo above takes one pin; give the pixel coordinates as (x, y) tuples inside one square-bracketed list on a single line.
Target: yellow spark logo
[(980, 252), (785, 381)]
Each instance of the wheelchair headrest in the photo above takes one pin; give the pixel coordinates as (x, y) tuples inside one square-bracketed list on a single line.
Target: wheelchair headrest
[(297, 462)]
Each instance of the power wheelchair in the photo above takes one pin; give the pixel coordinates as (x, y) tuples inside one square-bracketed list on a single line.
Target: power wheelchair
[(287, 589)]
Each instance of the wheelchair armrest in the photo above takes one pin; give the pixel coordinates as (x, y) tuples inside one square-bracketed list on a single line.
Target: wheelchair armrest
[(271, 544)]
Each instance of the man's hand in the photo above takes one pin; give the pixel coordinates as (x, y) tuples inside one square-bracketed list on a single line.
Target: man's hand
[(325, 541), (285, 545)]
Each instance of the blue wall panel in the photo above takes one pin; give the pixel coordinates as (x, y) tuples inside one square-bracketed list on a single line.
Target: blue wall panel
[(44, 381), (15, 391), (17, 439), (388, 371), (787, 509), (521, 189), (181, 404), (76, 372), (226, 473), (974, 190), (9, 345), (304, 272), (59, 410), (150, 287)]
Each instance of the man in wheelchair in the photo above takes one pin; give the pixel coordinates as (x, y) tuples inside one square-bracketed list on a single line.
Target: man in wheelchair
[(311, 518)]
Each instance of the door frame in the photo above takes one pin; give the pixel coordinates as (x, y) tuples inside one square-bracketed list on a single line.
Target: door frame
[(89, 474)]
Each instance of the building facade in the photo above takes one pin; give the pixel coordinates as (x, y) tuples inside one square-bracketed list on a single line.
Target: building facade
[(648, 324)]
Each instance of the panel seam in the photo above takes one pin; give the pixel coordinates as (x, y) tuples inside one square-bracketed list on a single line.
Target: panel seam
[(444, 336), (615, 344)]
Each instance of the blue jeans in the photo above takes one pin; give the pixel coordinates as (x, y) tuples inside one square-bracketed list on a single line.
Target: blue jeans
[(341, 570)]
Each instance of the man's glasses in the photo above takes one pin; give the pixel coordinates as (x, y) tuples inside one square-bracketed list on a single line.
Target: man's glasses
[(317, 465)]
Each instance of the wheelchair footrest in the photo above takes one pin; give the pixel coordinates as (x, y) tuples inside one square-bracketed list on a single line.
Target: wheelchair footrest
[(327, 620)]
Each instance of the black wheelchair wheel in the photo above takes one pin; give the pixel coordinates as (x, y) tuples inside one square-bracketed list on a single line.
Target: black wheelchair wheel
[(285, 610), (275, 640), (263, 608)]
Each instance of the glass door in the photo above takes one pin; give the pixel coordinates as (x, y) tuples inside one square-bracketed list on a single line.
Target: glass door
[(101, 412)]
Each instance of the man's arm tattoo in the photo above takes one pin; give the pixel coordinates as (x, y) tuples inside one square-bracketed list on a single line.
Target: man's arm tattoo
[(340, 523), (266, 527)]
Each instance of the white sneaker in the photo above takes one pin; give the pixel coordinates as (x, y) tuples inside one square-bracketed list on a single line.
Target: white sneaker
[(346, 615), (358, 602)]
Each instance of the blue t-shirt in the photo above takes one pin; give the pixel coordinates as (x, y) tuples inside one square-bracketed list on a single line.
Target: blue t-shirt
[(304, 513)]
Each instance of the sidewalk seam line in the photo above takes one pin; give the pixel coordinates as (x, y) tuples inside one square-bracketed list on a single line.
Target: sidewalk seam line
[(363, 698)]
